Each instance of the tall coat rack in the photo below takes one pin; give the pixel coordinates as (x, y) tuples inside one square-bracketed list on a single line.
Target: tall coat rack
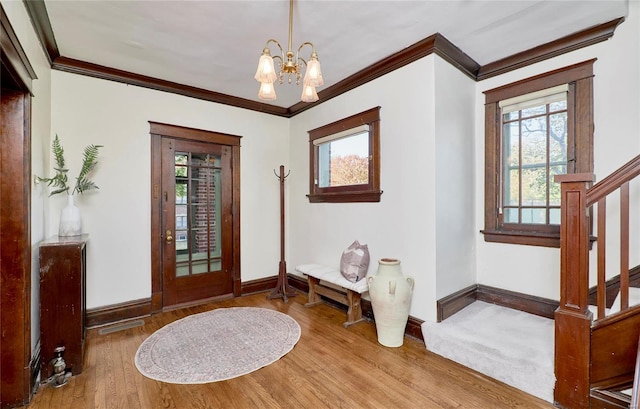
[(283, 289)]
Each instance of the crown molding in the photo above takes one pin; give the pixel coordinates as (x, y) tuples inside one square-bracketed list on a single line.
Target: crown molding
[(584, 38), (435, 43), (42, 25), (99, 71), (15, 62)]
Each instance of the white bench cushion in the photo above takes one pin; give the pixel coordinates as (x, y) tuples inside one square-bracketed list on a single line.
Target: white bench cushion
[(333, 276)]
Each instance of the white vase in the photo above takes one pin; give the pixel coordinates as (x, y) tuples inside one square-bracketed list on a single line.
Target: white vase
[(390, 294), (70, 221)]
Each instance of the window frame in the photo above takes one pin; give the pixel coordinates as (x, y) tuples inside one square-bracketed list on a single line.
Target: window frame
[(579, 78), (369, 192)]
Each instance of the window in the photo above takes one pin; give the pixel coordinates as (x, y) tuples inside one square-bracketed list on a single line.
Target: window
[(535, 129), (534, 149), (344, 160)]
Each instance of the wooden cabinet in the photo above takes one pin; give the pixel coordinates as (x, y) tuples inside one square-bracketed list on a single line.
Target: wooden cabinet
[(63, 300)]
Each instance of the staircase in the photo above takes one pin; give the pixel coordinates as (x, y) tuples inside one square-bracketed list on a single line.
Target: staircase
[(595, 354), (596, 358)]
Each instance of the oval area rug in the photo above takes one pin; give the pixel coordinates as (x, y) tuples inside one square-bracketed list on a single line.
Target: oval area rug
[(217, 345)]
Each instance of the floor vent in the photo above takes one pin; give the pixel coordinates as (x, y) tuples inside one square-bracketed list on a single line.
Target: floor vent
[(120, 327)]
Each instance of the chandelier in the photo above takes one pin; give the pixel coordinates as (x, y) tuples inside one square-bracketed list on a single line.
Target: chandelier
[(289, 66)]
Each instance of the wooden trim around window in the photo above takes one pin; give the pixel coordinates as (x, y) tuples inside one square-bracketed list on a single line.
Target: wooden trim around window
[(346, 197), (369, 192), (580, 131), (522, 237), (550, 79)]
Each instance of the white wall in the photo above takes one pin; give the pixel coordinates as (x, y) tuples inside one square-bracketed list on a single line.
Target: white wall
[(455, 167), (402, 224), (616, 138), (40, 129), (425, 216), (117, 217)]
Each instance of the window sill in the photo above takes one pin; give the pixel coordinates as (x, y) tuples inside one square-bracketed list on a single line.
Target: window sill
[(345, 197), (522, 237)]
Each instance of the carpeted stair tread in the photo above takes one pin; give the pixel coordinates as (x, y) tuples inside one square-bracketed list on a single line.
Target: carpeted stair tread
[(509, 345)]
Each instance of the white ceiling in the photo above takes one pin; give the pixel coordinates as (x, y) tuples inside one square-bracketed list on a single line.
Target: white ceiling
[(215, 45)]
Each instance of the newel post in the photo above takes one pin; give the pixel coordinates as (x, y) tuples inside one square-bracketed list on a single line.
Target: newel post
[(573, 318)]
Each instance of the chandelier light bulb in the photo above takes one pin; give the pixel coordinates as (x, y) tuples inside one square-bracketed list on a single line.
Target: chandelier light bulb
[(266, 71), (313, 75), (309, 93), (267, 91)]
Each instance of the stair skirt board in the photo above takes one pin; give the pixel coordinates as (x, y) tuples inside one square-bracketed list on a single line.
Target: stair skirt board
[(508, 345)]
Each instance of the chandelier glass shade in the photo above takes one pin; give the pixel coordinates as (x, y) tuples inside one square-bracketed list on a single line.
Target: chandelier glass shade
[(290, 64)]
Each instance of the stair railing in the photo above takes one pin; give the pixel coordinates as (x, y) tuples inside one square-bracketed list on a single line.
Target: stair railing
[(573, 318), (618, 180)]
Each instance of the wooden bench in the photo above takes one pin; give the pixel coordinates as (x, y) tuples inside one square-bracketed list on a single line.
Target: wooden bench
[(349, 293)]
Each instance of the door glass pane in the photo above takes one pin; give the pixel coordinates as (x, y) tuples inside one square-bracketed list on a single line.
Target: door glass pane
[(197, 210)]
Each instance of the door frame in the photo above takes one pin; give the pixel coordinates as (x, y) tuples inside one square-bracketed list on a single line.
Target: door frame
[(158, 131), (213, 284), (19, 369)]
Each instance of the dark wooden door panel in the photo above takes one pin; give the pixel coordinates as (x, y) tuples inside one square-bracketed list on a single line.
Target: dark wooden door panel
[(15, 248)]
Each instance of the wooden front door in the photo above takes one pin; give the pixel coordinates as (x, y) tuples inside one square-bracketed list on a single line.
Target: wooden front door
[(196, 201), (196, 188)]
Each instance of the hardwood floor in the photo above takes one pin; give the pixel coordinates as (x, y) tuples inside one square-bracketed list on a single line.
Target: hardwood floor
[(330, 367)]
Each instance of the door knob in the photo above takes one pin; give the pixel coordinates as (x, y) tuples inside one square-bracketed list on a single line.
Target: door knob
[(169, 236)]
